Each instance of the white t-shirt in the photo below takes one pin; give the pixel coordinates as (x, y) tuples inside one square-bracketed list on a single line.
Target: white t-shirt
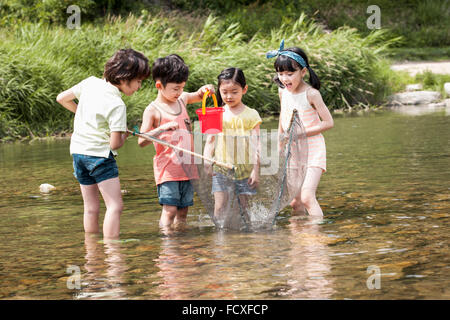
[(100, 111)]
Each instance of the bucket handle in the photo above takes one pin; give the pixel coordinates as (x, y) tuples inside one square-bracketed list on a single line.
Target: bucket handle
[(205, 95)]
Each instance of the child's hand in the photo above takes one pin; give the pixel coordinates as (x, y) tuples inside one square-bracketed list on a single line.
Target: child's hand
[(253, 180), (206, 88), (172, 125)]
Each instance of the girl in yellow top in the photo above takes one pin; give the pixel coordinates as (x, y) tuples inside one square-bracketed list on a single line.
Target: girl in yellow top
[(238, 143)]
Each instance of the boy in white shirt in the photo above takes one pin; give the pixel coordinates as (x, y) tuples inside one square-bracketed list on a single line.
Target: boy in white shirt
[(100, 127)]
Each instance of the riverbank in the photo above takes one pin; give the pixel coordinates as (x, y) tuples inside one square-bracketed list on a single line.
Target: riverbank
[(358, 110), (416, 67)]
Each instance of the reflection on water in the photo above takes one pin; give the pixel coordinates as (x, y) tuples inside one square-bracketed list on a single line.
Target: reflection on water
[(309, 260), (418, 110), (385, 198), (105, 269)]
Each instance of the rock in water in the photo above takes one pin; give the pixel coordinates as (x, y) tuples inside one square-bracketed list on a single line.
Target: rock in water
[(46, 188), (447, 87), (415, 97)]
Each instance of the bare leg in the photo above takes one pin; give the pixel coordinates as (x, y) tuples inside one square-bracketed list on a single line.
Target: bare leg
[(181, 216), (297, 206), (243, 200), (112, 196), (168, 215), (220, 206), (91, 205), (293, 188), (308, 193)]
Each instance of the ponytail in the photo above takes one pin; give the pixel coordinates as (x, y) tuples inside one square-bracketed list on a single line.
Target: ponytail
[(313, 78)]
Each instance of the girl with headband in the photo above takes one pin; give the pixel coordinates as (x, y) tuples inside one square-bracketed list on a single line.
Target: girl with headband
[(291, 65)]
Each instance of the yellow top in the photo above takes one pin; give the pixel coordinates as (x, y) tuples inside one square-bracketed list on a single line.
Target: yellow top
[(233, 144)]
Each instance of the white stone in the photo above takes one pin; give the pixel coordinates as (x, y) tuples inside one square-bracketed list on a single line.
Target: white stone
[(46, 188), (414, 87), (447, 87), (415, 97)]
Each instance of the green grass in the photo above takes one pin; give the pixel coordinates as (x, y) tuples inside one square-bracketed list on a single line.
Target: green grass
[(432, 81)]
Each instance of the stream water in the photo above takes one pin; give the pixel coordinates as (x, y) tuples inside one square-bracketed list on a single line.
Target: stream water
[(385, 233)]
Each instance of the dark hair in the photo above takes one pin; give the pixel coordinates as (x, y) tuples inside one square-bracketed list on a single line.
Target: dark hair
[(126, 64), (170, 69), (233, 74), (284, 63)]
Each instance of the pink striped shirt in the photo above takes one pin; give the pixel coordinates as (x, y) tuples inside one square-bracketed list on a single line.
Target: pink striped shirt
[(167, 165), (317, 154)]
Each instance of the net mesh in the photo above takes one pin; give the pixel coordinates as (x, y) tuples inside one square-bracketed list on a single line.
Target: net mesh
[(225, 193)]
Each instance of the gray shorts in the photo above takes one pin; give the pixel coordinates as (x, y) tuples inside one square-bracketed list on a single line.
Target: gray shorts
[(221, 183)]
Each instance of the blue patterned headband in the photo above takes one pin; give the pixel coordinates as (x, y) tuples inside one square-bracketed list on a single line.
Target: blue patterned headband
[(290, 54)]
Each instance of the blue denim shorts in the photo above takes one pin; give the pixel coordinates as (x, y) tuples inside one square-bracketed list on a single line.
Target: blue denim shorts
[(176, 193), (91, 170), (221, 183)]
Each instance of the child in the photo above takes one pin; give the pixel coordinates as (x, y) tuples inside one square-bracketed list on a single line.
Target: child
[(243, 122), (100, 127), (291, 66), (168, 112)]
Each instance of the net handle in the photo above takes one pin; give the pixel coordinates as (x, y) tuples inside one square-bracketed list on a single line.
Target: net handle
[(164, 143)]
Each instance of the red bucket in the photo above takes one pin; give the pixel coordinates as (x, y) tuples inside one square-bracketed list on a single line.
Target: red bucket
[(210, 118)]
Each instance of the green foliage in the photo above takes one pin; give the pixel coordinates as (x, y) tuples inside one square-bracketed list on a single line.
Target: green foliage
[(432, 81), (50, 11), (53, 59), (419, 22)]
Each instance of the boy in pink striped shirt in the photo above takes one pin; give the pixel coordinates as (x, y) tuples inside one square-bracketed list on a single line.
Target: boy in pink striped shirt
[(167, 118)]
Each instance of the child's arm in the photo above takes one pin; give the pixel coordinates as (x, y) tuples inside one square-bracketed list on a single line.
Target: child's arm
[(66, 98), (208, 152), (315, 99), (117, 139), (193, 97), (149, 121)]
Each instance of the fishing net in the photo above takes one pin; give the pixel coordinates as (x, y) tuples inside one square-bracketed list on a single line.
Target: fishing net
[(221, 181), (219, 167)]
